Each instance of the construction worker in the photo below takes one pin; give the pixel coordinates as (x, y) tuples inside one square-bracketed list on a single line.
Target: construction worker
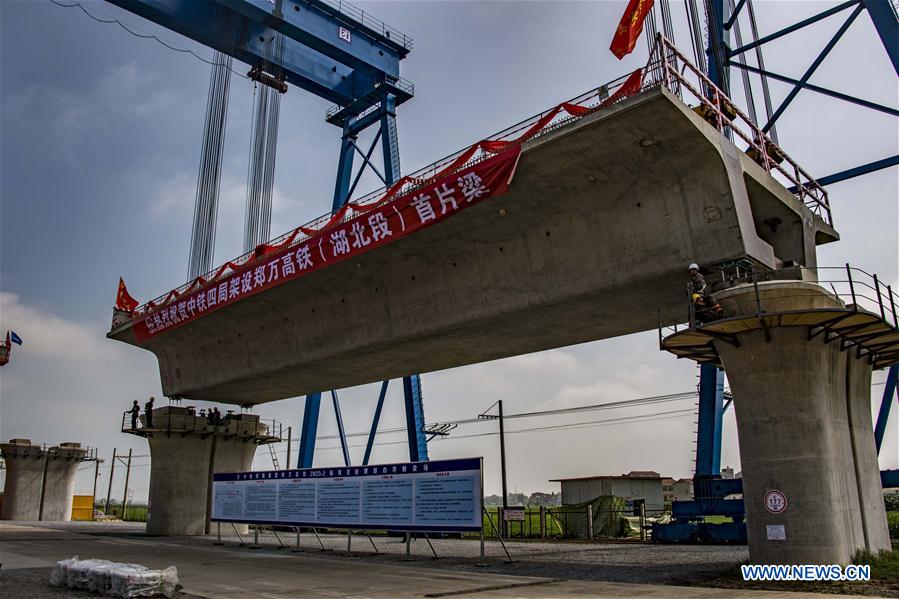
[(705, 306), (697, 281), (148, 412), (134, 411)]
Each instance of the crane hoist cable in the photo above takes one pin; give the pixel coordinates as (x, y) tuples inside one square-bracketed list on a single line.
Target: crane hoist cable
[(202, 242), (264, 144)]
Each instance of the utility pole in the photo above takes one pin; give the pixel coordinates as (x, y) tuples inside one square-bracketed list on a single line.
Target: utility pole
[(502, 454), (94, 493), (289, 431), (109, 488), (127, 476)]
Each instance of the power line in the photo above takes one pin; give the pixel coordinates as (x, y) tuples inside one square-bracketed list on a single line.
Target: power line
[(570, 426), (640, 401), (135, 31)]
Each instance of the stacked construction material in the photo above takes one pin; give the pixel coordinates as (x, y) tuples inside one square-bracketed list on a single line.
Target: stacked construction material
[(114, 579)]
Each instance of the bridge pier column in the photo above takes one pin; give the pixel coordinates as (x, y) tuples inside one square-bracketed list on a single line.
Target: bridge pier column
[(804, 424), (185, 450), (40, 481)]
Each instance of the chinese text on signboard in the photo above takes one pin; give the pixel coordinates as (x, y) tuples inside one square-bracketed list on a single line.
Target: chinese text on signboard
[(424, 496)]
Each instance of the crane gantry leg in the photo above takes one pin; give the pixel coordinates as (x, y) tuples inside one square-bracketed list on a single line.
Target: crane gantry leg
[(343, 190), (884, 413)]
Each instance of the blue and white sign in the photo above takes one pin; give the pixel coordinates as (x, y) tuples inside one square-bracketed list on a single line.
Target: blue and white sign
[(435, 496)]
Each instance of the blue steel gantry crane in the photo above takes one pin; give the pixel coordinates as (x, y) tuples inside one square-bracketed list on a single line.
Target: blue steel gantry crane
[(340, 53)]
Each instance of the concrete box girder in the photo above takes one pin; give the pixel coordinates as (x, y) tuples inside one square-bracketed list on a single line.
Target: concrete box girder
[(591, 242)]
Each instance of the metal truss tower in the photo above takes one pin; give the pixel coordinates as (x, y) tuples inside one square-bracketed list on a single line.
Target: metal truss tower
[(340, 53), (723, 19)]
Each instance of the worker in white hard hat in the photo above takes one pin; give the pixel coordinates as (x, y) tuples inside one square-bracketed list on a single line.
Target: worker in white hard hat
[(704, 304), (697, 281)]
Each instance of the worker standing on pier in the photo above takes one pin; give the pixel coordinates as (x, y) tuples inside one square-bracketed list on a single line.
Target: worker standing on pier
[(134, 411), (148, 412)]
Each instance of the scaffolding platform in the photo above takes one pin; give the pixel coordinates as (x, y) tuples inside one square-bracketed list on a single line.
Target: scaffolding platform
[(185, 421), (866, 323)]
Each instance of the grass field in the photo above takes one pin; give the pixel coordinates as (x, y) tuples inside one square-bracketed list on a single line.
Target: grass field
[(133, 513), (893, 521), (528, 529)]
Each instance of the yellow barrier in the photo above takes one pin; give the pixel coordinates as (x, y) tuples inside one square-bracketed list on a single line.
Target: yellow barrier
[(82, 507)]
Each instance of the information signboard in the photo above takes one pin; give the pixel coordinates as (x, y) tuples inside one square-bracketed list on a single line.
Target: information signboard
[(513, 514), (440, 496)]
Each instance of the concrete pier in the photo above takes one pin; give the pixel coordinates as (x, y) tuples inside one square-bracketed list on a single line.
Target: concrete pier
[(40, 481), (804, 423), (185, 450)]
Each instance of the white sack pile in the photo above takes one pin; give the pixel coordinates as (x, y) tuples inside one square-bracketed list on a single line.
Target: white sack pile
[(114, 579)]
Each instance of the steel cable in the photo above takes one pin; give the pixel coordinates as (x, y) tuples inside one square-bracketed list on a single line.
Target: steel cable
[(202, 245)]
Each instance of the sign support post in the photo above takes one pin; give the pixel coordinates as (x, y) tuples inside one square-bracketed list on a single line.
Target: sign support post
[(408, 547)]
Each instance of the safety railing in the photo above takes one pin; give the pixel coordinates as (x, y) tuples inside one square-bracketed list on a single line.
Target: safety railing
[(666, 67), (192, 421), (378, 26), (402, 84), (669, 67), (853, 288), (90, 453)]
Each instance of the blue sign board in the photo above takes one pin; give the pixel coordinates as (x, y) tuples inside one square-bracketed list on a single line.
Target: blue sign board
[(440, 495)]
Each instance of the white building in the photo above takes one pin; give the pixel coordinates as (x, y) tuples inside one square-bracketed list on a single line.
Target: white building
[(637, 484)]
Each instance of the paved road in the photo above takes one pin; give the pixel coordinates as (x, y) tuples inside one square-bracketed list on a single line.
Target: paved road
[(212, 571)]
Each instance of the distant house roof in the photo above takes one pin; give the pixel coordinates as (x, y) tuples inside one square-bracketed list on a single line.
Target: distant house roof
[(632, 475)]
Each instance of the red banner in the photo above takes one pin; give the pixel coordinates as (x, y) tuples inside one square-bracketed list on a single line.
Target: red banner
[(372, 228), (630, 27)]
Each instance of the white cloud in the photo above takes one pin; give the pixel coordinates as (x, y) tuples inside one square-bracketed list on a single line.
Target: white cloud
[(68, 383)]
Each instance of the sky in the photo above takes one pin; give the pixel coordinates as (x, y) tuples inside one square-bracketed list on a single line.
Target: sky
[(100, 135)]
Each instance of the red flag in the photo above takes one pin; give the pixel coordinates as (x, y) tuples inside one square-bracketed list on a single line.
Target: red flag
[(630, 27), (123, 300)]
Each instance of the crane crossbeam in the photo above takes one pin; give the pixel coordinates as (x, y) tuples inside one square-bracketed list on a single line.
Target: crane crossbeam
[(326, 52)]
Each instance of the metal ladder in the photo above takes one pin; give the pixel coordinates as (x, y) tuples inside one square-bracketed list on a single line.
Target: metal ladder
[(274, 454)]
